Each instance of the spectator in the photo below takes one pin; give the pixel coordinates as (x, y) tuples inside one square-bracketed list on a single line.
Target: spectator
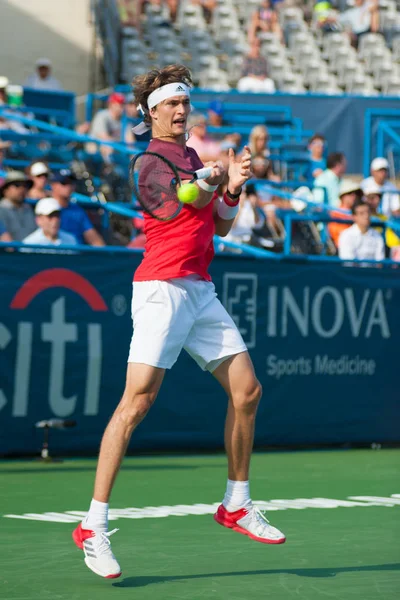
[(350, 191), (14, 99), (42, 79), (362, 18), (215, 113), (373, 197), (48, 215), (131, 110), (39, 173), (361, 241), (4, 235), (264, 19), (325, 17), (330, 179), (107, 126), (73, 218), (17, 217), (249, 216), (207, 148), (258, 142), (316, 146), (255, 72), (390, 196)]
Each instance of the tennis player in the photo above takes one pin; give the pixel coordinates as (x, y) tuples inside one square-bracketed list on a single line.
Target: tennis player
[(175, 306)]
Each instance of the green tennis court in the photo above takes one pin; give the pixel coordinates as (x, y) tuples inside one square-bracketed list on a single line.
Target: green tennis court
[(342, 552)]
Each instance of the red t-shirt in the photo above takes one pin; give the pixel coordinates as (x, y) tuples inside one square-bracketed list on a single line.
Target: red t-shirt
[(184, 245)]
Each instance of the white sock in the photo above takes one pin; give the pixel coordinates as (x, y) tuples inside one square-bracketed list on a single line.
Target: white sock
[(97, 517), (237, 495)]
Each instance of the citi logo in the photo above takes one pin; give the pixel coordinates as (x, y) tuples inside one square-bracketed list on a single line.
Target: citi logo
[(326, 312), (60, 335)]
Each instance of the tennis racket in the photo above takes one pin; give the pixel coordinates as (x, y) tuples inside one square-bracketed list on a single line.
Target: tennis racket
[(155, 180)]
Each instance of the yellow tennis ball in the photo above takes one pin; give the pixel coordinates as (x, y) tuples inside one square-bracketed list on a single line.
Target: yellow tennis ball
[(188, 193)]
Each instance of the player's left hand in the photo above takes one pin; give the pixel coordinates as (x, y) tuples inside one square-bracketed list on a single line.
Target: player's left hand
[(218, 172), (239, 171)]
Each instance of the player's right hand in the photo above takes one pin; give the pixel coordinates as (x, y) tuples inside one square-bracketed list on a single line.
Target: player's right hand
[(218, 172)]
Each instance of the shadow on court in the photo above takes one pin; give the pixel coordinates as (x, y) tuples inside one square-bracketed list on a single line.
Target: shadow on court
[(143, 581)]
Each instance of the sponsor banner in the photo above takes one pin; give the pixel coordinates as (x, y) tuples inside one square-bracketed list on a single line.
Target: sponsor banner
[(184, 510), (323, 339)]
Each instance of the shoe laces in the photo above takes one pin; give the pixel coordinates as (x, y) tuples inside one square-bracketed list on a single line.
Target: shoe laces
[(259, 520), (104, 544)]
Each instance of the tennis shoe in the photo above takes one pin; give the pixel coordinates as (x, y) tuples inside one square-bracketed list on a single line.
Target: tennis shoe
[(97, 548), (251, 522)]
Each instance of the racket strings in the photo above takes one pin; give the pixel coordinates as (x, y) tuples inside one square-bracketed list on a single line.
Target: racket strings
[(156, 187)]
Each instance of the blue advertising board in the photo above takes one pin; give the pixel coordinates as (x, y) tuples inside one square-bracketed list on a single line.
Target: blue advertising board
[(323, 339)]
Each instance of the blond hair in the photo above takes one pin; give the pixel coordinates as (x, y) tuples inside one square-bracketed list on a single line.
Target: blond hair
[(257, 131)]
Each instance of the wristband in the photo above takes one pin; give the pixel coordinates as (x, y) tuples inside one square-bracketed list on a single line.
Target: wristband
[(232, 199), (226, 211), (204, 186)]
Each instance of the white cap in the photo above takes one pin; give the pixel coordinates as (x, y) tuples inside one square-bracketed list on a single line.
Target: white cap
[(371, 187), (47, 206), (4, 81), (43, 62), (39, 168), (379, 163), (348, 186)]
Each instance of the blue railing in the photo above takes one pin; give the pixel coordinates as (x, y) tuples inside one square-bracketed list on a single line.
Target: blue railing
[(67, 134), (378, 122)]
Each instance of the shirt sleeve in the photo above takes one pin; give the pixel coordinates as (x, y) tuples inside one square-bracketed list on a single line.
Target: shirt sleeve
[(2, 228), (346, 249)]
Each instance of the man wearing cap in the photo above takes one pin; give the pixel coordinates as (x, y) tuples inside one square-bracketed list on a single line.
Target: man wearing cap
[(107, 125), (390, 205), (74, 219), (42, 79), (18, 218), (373, 197), (48, 215), (348, 194), (361, 241), (39, 173)]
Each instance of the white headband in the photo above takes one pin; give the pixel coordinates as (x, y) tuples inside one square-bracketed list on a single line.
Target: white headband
[(160, 94)]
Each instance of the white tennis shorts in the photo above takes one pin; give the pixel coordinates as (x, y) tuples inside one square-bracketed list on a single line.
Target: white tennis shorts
[(181, 313)]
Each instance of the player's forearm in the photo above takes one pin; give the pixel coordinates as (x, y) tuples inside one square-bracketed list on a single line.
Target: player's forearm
[(226, 211), (204, 198)]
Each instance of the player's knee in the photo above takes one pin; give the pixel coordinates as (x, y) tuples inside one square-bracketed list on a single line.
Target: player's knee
[(248, 399), (134, 410)]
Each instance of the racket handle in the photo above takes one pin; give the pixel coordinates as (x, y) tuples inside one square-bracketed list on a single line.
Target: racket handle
[(202, 173)]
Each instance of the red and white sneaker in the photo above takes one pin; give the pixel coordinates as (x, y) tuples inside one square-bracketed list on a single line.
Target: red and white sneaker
[(97, 548), (250, 521)]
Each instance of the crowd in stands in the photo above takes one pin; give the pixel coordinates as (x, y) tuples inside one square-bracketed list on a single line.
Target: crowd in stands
[(332, 46), (37, 207), (37, 204)]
